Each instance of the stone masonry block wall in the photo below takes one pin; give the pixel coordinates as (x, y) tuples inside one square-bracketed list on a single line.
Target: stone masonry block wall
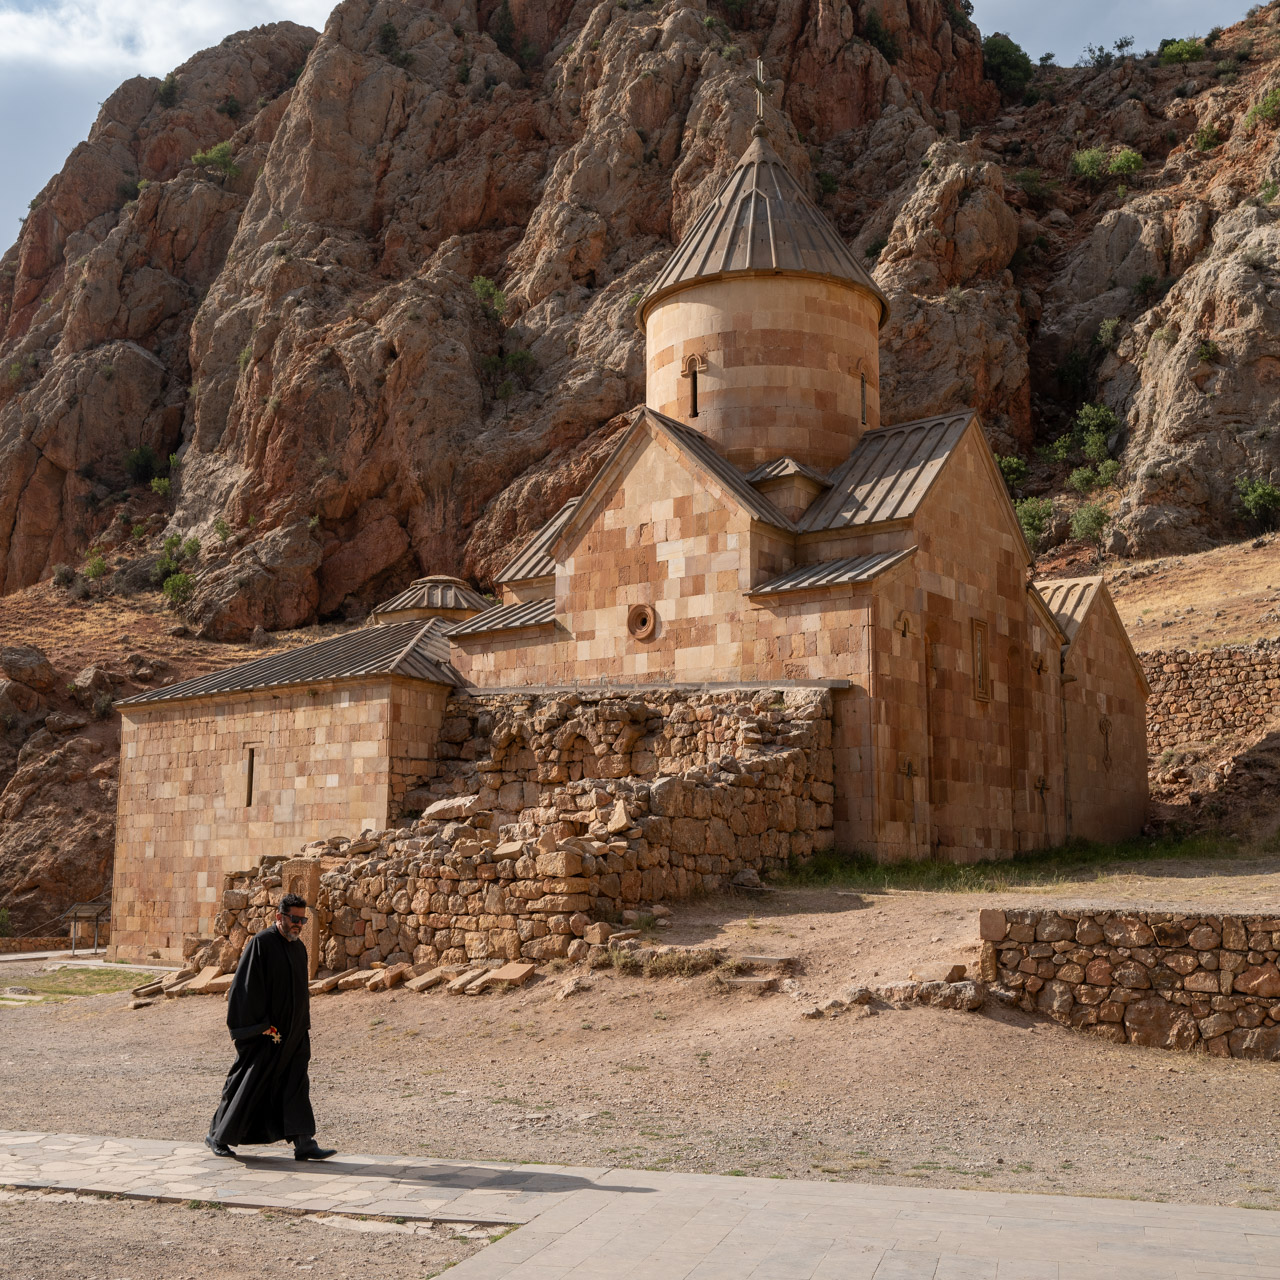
[(701, 787), (1210, 694), (515, 751), (321, 759), (1171, 980)]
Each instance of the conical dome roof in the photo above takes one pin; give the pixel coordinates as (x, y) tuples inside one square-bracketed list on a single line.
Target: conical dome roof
[(761, 221)]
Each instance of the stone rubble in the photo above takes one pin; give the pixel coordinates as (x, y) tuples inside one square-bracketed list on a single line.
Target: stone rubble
[(521, 863)]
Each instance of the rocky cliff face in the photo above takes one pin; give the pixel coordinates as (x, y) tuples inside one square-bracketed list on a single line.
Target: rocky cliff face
[(346, 412)]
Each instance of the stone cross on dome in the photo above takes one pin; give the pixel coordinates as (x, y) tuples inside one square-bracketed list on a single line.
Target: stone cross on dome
[(761, 92)]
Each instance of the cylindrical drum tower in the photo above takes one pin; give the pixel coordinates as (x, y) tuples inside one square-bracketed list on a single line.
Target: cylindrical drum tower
[(762, 332)]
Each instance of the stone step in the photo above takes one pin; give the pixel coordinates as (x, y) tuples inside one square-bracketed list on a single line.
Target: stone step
[(779, 961), (754, 983)]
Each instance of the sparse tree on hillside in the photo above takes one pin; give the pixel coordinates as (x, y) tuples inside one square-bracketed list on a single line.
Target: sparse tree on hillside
[(1007, 64)]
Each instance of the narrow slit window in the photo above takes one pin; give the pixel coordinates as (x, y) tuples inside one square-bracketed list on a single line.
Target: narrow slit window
[(981, 667), (248, 791), (692, 366), (864, 399)]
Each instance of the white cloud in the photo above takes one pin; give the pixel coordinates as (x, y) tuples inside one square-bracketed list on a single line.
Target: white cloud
[(132, 37)]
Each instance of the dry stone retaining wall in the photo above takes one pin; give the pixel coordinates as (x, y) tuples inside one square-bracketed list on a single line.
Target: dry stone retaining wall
[(553, 814), (1165, 979), (1198, 696), (13, 946)]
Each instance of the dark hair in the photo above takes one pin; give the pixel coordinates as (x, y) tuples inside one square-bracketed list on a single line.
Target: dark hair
[(289, 901)]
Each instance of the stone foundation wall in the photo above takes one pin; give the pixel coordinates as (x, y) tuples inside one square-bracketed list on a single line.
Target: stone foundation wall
[(540, 829), (1165, 979), (1210, 694)]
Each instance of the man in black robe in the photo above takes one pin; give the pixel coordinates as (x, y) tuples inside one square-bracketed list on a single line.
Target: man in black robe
[(267, 1094)]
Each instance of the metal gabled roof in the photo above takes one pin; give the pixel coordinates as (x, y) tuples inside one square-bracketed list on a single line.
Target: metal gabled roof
[(435, 593), (781, 468), (888, 473), (832, 573), (506, 617), (1068, 599), (761, 220), (534, 559), (414, 649)]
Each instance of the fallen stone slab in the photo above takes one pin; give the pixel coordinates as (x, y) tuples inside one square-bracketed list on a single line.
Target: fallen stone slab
[(385, 979), (425, 981), (220, 986), (516, 973), (148, 989), (462, 982), (321, 985), (182, 977), (199, 985), (353, 979)]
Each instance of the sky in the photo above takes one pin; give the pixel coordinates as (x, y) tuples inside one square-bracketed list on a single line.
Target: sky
[(60, 58)]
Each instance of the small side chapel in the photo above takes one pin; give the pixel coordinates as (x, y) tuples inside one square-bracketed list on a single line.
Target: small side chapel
[(757, 526)]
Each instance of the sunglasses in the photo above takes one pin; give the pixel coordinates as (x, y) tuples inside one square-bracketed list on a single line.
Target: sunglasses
[(296, 919)]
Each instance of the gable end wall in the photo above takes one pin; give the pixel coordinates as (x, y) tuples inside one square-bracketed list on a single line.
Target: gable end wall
[(322, 766)]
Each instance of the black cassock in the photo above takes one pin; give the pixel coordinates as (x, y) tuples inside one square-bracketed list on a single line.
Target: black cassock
[(267, 1093)]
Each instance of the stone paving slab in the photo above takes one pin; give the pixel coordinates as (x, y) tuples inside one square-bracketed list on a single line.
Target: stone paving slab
[(619, 1224), (706, 1228), (270, 1178)]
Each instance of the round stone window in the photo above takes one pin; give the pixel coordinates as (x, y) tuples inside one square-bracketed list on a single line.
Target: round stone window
[(642, 622)]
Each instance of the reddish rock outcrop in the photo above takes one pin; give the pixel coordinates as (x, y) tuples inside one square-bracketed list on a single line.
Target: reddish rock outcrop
[(347, 413), (356, 413), (96, 298)]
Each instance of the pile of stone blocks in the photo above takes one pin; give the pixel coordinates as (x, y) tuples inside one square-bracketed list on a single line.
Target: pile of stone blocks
[(449, 888)]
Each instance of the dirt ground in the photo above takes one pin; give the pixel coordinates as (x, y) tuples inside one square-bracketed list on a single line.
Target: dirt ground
[(74, 633), (674, 1074), (69, 1237)]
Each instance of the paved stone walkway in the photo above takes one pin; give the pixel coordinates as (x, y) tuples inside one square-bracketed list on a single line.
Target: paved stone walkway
[(270, 1178), (598, 1224)]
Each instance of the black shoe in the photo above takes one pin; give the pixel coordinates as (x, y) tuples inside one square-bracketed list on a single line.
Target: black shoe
[(218, 1148), (309, 1150)]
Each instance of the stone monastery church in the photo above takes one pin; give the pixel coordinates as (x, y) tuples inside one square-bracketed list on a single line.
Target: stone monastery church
[(757, 527)]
